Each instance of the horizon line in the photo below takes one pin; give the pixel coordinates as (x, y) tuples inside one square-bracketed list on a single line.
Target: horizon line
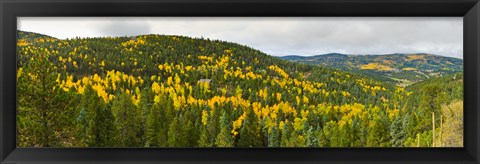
[(202, 37)]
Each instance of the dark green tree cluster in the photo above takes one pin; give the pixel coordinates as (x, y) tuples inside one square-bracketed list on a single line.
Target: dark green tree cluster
[(174, 91)]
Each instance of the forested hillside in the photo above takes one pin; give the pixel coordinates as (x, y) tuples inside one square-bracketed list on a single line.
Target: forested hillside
[(440, 99), (175, 91), (401, 69)]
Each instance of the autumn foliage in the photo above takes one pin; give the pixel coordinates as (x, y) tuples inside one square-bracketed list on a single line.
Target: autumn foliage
[(173, 91)]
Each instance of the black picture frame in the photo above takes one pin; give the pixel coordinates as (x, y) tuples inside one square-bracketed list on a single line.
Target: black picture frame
[(11, 9)]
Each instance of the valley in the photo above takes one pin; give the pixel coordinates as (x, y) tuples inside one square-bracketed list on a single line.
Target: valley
[(176, 91), (400, 69)]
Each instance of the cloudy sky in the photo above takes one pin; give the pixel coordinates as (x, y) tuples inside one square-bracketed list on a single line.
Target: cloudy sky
[(278, 36)]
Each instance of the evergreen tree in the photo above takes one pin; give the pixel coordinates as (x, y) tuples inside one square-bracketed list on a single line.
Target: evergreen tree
[(250, 131), (213, 126), (274, 137), (311, 139), (286, 135), (397, 132), (203, 140), (224, 138), (145, 91), (176, 137), (127, 121)]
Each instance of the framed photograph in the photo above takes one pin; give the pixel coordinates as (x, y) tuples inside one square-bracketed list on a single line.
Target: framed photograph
[(239, 81)]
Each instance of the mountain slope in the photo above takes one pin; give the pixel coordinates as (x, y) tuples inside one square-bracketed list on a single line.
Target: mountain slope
[(142, 57), (26, 38), (175, 91), (431, 97), (398, 68)]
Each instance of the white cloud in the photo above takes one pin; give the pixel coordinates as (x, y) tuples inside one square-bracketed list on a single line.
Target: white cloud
[(279, 36)]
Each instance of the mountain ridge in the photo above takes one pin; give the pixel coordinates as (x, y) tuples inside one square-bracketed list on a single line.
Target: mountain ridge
[(342, 54), (174, 91), (400, 68)]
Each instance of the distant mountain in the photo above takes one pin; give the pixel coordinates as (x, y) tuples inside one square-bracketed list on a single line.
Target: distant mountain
[(29, 38), (403, 69), (174, 91), (32, 35)]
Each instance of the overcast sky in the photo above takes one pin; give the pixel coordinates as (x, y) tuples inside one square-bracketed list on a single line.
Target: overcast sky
[(278, 36)]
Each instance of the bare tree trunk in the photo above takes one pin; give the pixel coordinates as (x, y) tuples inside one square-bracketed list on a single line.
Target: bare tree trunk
[(433, 130), (441, 131)]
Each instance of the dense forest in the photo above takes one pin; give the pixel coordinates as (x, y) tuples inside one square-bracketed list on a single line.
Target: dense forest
[(175, 91)]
